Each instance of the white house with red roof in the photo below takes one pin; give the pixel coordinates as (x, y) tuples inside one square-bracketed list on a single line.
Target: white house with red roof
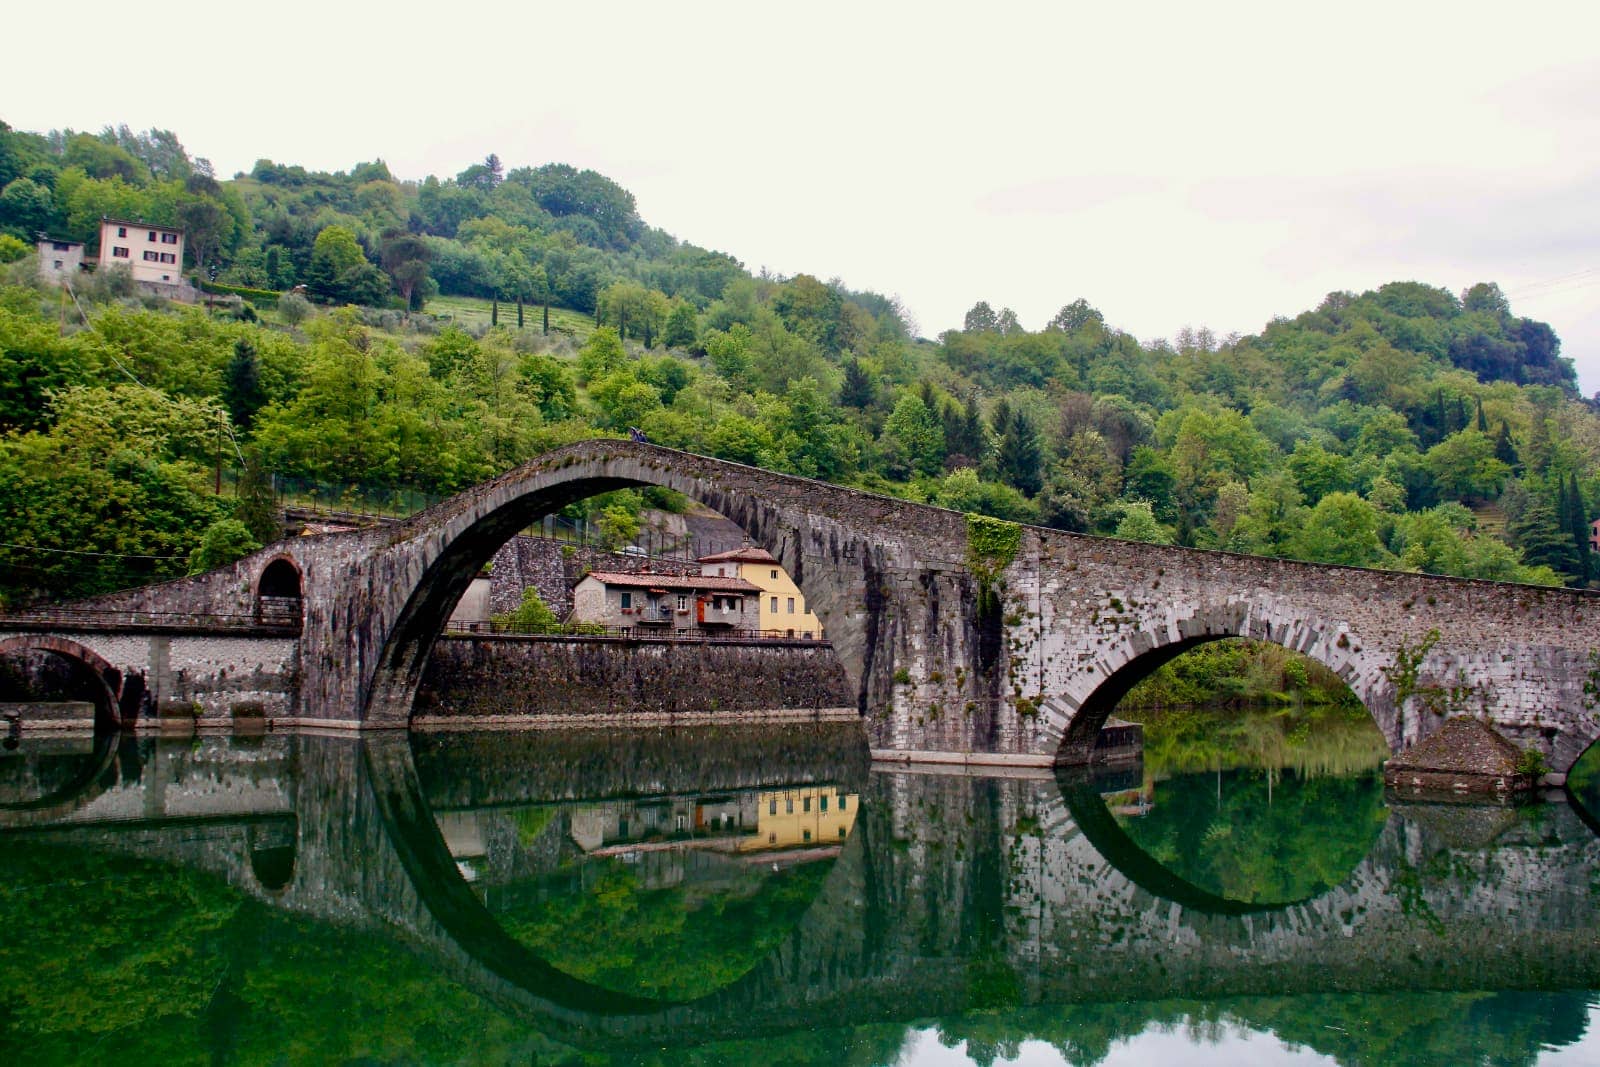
[(667, 602)]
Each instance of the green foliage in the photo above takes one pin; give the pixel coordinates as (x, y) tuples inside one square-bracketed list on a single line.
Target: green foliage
[(1403, 672), (992, 546), (223, 542), (532, 616), (264, 297)]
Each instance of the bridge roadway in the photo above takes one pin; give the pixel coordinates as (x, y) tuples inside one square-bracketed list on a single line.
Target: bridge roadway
[(942, 669), (945, 876)]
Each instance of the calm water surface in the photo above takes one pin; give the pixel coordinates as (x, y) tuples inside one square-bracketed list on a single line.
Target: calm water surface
[(767, 896)]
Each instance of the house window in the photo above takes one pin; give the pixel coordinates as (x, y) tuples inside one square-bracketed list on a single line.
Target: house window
[(774, 605), (122, 231), (788, 805), (805, 835), (791, 605), (118, 252), (683, 602), (772, 839), (841, 831), (169, 238), (168, 257), (774, 574), (150, 257), (627, 600), (844, 802), (805, 805), (772, 806), (822, 804), (58, 264), (152, 235), (60, 246), (166, 277)]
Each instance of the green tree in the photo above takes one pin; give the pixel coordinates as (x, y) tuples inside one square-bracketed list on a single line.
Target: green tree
[(1138, 523), (1020, 454), (602, 354), (223, 542), (405, 258), (914, 437), (1341, 528)]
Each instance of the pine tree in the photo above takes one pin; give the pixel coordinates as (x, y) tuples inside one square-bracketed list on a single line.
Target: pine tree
[(1020, 455), (857, 390)]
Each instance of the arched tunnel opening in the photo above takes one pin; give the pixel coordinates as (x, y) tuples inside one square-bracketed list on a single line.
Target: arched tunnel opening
[(58, 725), (667, 607), (1260, 783)]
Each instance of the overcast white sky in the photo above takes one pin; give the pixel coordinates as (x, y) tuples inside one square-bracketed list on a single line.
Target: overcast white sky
[(1174, 164)]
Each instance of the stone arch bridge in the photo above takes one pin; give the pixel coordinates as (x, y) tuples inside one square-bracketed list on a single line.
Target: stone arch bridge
[(956, 655)]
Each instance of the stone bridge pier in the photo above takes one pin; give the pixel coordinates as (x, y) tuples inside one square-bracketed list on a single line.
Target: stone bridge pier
[(1008, 647)]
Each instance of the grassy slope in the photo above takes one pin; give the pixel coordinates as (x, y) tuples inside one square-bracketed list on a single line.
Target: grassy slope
[(472, 311)]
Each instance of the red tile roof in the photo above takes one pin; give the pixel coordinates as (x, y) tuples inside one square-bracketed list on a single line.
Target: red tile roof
[(747, 554), (675, 581)]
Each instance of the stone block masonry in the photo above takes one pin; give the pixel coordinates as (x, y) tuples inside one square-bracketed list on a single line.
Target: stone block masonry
[(514, 677)]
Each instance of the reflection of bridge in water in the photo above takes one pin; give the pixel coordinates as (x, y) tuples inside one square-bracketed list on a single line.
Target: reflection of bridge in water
[(951, 891)]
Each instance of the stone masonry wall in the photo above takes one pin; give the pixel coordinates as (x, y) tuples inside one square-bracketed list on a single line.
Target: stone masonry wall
[(564, 677)]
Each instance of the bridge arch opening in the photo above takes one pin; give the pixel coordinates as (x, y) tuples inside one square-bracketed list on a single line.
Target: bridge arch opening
[(1259, 785), (1139, 658), (492, 515), (55, 683), (280, 595)]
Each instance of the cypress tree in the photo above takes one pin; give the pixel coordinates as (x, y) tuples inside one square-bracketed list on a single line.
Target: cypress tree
[(494, 312), (241, 387), (257, 507), (519, 326), (1483, 423), (1578, 524), (1504, 450), (547, 318)]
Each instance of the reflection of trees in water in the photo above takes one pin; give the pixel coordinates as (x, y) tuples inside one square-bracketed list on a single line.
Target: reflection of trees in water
[(1310, 740), (146, 963), (1258, 838), (1397, 1029), (607, 926)]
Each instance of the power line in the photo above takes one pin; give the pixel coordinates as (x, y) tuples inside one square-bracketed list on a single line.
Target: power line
[(81, 552)]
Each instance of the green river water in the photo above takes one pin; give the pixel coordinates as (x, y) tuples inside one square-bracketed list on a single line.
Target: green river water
[(1247, 894)]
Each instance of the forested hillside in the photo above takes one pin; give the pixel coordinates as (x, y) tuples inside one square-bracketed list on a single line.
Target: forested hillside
[(1408, 427)]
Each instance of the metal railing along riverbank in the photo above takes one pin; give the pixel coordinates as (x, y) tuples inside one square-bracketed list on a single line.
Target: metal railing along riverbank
[(90, 618), (639, 633)]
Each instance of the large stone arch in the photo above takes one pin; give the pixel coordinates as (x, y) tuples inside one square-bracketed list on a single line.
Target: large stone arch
[(1075, 715), (807, 526)]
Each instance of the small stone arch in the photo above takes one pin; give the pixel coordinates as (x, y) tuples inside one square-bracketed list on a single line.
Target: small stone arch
[(1074, 718), (280, 593), (273, 853), (108, 709)]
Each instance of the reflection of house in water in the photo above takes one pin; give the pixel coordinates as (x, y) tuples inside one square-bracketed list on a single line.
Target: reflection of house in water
[(774, 820), (463, 836)]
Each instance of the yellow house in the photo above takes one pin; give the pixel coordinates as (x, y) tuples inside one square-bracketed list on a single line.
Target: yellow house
[(802, 816), (783, 606)]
